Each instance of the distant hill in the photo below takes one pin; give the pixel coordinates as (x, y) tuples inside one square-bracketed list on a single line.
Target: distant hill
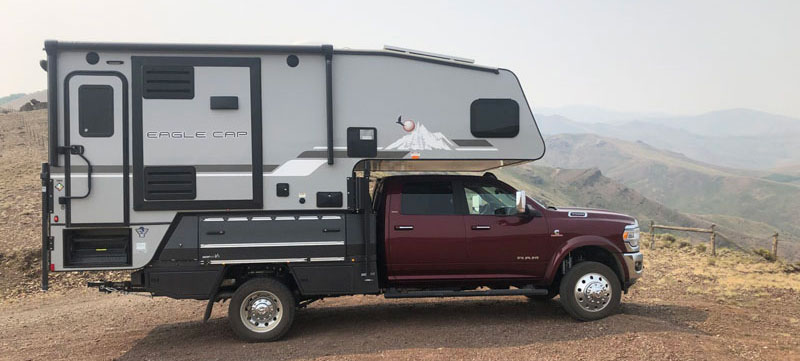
[(592, 114), (732, 122), (17, 102), (590, 188), (679, 182), (8, 98), (738, 138)]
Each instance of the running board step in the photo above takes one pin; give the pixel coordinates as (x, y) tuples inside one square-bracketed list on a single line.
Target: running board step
[(394, 293)]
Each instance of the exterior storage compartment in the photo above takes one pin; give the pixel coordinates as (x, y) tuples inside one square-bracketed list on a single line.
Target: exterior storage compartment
[(87, 248)]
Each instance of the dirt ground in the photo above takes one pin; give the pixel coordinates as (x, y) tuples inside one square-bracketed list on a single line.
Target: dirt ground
[(656, 322), (688, 306)]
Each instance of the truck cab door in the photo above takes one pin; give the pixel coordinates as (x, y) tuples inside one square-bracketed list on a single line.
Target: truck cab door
[(425, 232), (500, 242)]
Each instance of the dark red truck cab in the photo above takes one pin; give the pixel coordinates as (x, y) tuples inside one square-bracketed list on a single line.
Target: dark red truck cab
[(444, 235)]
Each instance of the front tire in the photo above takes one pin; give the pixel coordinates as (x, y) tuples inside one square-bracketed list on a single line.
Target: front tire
[(590, 291), (261, 309)]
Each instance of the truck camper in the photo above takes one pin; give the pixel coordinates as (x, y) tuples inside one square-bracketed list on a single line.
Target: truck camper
[(246, 172)]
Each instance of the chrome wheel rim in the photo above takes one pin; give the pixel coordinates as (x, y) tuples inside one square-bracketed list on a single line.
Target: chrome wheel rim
[(593, 292), (261, 311)]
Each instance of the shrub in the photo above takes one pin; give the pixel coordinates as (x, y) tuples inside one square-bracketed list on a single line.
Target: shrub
[(701, 247), (767, 255), (668, 238), (684, 244)]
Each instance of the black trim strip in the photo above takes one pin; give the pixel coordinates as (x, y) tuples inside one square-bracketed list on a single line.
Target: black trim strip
[(254, 64), (343, 154), (472, 142), (51, 47), (328, 50), (125, 155)]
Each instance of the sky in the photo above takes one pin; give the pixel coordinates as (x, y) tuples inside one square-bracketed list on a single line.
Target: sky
[(678, 57)]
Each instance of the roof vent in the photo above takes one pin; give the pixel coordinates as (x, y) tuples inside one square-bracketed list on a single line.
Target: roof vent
[(430, 55)]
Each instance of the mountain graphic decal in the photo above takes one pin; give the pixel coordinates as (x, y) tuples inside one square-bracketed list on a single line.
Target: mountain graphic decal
[(422, 139)]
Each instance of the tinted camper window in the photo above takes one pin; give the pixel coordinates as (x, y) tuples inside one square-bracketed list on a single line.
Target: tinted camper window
[(427, 198), (494, 118), (96, 110)]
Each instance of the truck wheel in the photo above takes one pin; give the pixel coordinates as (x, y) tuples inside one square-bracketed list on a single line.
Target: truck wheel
[(590, 291), (261, 309)]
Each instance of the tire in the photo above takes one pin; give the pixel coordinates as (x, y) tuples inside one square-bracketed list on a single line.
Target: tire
[(261, 309), (600, 299)]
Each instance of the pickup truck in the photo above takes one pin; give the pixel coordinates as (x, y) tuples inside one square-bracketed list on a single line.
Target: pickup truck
[(436, 236)]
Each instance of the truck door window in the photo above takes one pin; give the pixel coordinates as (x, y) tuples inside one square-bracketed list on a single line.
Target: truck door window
[(427, 198), (484, 199)]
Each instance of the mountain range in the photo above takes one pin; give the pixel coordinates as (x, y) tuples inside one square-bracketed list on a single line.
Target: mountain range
[(736, 138), (680, 173)]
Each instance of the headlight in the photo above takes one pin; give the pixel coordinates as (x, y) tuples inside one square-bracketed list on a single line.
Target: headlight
[(631, 235)]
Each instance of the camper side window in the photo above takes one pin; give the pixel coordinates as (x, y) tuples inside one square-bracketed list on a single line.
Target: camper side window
[(494, 118), (96, 110)]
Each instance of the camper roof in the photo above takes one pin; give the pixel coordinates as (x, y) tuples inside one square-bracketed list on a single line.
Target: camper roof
[(52, 45)]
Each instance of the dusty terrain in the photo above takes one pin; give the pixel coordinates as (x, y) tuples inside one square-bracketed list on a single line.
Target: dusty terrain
[(688, 306)]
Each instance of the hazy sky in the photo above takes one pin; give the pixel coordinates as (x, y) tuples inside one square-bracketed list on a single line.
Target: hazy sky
[(647, 56)]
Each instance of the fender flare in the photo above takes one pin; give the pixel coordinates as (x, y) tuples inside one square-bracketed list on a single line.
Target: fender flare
[(584, 241)]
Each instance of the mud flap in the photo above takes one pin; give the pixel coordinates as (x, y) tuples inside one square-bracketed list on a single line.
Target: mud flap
[(212, 297)]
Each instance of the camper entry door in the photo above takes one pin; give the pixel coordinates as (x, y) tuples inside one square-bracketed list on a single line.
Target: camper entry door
[(95, 114)]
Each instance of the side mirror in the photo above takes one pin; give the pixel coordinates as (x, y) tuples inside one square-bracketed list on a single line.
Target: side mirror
[(522, 202)]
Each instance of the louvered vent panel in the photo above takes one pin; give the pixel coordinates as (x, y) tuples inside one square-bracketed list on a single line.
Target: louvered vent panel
[(168, 82), (170, 183)]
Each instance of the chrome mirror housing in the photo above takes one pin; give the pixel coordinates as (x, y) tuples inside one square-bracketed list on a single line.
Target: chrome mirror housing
[(522, 202)]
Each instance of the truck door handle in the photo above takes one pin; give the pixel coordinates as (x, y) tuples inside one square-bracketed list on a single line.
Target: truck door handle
[(481, 228), (215, 233), (404, 228)]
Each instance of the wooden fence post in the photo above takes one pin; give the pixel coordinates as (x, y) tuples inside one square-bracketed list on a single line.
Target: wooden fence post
[(713, 240), (775, 246), (652, 234)]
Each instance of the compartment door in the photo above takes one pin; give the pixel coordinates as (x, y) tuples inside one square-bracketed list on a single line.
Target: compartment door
[(95, 115), (197, 133)]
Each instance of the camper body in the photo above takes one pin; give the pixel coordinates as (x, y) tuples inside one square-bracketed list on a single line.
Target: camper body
[(212, 170)]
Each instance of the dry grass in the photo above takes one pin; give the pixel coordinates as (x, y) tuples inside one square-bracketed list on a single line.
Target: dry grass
[(732, 277)]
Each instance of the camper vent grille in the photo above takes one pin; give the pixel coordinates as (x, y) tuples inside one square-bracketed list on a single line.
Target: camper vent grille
[(168, 82), (170, 183)]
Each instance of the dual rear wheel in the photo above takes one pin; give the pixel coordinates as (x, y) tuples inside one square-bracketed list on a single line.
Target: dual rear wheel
[(262, 309)]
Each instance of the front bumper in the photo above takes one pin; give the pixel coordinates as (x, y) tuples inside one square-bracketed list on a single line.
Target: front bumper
[(634, 263)]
